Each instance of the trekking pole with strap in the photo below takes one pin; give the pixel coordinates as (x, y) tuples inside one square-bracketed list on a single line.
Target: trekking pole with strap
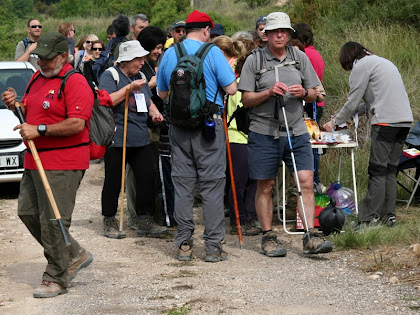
[(281, 103), (232, 178), (44, 180)]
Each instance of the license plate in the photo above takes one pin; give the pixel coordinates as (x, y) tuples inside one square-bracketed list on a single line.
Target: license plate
[(9, 161)]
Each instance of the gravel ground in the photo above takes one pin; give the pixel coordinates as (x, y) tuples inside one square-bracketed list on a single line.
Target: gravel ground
[(141, 275)]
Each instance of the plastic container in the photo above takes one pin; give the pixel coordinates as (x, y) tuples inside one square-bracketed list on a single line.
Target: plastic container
[(344, 197)]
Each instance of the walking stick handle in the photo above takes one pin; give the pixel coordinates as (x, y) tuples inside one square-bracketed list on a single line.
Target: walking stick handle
[(280, 100), (44, 179)]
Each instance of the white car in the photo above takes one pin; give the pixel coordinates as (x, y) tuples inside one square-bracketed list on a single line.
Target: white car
[(15, 74)]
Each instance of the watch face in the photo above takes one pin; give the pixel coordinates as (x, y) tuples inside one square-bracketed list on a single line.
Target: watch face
[(42, 129)]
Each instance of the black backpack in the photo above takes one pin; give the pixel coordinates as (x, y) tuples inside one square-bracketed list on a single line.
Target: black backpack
[(102, 122), (106, 59), (188, 106)]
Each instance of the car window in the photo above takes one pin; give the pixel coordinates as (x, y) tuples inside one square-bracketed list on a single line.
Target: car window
[(15, 78)]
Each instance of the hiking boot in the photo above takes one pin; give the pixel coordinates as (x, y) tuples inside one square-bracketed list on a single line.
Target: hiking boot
[(314, 244), (83, 262), (391, 221), (112, 228), (185, 251), (374, 223), (246, 230), (271, 246), (216, 257), (48, 289), (132, 223), (147, 227)]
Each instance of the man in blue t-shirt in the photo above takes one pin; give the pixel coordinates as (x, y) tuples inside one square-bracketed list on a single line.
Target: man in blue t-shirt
[(193, 157)]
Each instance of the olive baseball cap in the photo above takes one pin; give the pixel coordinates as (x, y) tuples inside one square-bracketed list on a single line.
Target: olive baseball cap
[(50, 45)]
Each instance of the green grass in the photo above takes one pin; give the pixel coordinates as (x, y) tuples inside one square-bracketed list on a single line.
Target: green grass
[(406, 232), (182, 310)]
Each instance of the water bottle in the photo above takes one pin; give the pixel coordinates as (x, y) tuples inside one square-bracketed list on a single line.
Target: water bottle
[(209, 130), (344, 197)]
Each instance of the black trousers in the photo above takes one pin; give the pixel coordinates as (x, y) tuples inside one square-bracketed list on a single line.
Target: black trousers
[(142, 162)]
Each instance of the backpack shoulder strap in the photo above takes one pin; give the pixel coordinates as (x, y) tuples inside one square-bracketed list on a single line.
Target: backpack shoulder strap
[(293, 53), (259, 64), (180, 50), (64, 80), (36, 77), (204, 50), (25, 42), (115, 74)]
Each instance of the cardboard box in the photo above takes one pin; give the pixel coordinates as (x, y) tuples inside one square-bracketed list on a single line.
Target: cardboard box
[(299, 222)]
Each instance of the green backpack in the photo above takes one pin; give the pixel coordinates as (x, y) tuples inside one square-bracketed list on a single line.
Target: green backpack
[(188, 105)]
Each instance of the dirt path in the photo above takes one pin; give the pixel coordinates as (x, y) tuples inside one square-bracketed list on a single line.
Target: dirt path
[(141, 276)]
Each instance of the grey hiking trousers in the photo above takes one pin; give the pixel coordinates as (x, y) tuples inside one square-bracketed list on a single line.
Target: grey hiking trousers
[(194, 158)]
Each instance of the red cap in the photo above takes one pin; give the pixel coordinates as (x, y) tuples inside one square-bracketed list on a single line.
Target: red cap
[(198, 20)]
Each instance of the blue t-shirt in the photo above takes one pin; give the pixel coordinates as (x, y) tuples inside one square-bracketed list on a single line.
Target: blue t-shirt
[(137, 134), (217, 71)]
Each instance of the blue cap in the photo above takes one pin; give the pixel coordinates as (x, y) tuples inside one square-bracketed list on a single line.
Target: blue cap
[(218, 30)]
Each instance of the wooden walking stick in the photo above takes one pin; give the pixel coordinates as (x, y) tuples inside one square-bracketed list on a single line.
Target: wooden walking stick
[(44, 179), (232, 178), (127, 96)]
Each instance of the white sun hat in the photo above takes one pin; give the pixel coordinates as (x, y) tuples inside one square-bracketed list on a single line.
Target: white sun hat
[(277, 20), (130, 50)]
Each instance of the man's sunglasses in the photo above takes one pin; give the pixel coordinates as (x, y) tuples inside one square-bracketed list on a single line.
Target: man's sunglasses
[(179, 31), (35, 26), (98, 48)]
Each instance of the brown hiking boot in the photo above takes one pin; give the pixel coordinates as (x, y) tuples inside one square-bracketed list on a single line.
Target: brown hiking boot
[(83, 262), (271, 246), (48, 289), (314, 244), (185, 251)]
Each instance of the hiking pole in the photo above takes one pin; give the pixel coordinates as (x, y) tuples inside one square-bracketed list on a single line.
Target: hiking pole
[(232, 180), (127, 96), (44, 179), (282, 104)]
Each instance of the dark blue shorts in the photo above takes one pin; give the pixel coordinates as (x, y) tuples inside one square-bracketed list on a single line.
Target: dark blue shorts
[(266, 153)]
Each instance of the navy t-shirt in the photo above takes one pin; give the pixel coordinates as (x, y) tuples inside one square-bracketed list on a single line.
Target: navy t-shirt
[(137, 134)]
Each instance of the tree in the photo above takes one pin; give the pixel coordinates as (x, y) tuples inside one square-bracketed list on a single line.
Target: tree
[(255, 3), (7, 44)]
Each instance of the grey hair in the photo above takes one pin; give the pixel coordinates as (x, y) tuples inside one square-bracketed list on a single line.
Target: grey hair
[(241, 35), (139, 16), (93, 36)]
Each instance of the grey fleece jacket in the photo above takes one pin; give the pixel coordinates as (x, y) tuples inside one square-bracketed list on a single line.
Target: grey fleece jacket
[(377, 82)]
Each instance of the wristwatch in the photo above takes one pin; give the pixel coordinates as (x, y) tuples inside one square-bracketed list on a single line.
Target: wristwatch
[(42, 129), (306, 93)]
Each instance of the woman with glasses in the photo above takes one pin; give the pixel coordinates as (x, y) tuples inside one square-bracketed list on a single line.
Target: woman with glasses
[(97, 47), (86, 54)]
